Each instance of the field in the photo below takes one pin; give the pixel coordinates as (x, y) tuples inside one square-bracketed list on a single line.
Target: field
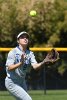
[(39, 95)]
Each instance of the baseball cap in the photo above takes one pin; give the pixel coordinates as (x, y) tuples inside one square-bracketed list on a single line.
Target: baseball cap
[(21, 33)]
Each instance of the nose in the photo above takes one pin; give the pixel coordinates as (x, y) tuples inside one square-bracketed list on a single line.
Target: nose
[(25, 38)]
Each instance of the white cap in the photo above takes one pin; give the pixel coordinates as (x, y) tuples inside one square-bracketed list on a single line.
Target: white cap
[(21, 33)]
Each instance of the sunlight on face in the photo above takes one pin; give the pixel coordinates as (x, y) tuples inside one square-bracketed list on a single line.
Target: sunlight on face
[(23, 40)]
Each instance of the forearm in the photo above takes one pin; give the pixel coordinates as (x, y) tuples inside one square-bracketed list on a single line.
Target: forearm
[(14, 66), (38, 65)]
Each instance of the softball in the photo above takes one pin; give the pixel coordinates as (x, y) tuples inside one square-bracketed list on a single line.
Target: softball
[(33, 13)]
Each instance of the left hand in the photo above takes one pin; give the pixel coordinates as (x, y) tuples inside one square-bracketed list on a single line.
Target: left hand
[(23, 57)]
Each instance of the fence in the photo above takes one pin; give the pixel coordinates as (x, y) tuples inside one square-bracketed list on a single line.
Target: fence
[(45, 74), (36, 49)]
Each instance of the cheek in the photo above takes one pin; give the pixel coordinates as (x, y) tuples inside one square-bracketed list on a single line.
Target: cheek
[(21, 40)]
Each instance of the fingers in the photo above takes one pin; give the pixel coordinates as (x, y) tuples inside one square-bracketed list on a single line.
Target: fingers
[(23, 57)]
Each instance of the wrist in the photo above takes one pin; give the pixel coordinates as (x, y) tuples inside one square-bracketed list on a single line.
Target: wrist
[(42, 62), (21, 62)]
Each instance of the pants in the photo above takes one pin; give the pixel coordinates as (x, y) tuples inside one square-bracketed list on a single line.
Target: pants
[(17, 88)]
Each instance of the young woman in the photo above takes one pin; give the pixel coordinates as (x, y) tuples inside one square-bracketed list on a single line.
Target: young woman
[(19, 60)]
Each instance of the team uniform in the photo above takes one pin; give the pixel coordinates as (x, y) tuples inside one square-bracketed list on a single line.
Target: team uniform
[(15, 79)]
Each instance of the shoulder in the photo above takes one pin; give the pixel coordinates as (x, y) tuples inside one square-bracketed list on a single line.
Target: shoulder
[(12, 51)]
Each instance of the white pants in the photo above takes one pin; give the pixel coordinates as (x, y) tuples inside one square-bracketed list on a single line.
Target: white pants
[(17, 89)]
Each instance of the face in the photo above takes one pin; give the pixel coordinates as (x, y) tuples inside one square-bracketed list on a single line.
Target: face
[(23, 40)]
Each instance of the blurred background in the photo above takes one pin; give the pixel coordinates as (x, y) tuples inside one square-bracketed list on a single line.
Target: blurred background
[(47, 29)]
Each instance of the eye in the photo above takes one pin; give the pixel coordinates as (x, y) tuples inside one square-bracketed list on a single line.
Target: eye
[(24, 36)]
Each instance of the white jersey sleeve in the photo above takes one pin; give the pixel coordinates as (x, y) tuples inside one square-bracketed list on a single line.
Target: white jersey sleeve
[(10, 59), (33, 60)]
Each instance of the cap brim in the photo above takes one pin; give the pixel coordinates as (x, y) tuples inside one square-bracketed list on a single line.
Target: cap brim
[(22, 33)]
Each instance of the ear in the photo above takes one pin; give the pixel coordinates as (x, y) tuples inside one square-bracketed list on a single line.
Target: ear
[(18, 41)]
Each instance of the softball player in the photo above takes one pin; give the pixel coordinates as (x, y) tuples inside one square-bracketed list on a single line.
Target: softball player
[(18, 62)]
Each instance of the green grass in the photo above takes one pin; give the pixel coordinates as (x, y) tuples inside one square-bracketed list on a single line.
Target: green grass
[(39, 95)]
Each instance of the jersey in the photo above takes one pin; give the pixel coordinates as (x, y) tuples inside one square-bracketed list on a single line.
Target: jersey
[(14, 56)]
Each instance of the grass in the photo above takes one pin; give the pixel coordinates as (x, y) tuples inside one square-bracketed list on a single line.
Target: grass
[(39, 95)]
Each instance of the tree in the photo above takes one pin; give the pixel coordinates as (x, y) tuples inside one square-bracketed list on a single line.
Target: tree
[(45, 28)]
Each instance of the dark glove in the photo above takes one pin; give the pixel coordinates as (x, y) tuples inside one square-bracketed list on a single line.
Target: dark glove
[(51, 57)]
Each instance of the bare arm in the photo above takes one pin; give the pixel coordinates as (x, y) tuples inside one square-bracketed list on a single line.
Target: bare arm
[(48, 59), (38, 65), (14, 66)]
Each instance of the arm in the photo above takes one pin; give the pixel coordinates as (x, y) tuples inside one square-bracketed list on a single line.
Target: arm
[(11, 60), (14, 66), (38, 65), (34, 63), (48, 59)]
